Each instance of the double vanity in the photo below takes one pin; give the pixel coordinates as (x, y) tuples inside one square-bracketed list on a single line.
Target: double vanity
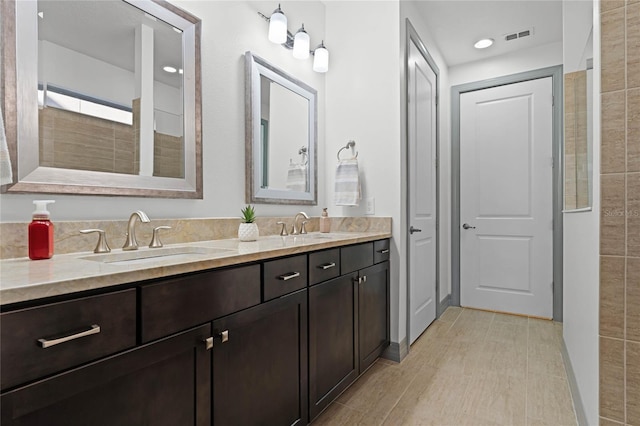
[(215, 332)]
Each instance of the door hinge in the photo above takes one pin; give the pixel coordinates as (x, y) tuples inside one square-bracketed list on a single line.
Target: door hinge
[(553, 100)]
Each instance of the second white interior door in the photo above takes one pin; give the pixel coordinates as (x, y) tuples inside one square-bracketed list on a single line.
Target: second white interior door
[(421, 109), (506, 198)]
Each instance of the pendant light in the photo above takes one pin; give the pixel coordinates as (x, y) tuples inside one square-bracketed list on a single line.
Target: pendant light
[(301, 44), (278, 27)]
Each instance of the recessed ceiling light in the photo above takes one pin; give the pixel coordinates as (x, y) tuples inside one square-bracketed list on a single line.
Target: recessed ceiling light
[(170, 69), (484, 43)]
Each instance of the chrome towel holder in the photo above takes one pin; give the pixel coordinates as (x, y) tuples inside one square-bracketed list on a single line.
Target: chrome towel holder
[(350, 144)]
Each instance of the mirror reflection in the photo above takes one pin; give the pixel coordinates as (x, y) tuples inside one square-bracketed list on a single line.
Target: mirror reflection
[(104, 97), (283, 117), (281, 136), (578, 139), (110, 89)]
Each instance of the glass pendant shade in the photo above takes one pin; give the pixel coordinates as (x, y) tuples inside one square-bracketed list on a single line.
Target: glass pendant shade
[(278, 27), (321, 59), (301, 44)]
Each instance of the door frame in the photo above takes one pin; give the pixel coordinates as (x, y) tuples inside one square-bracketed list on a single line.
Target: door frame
[(556, 73), (412, 36)]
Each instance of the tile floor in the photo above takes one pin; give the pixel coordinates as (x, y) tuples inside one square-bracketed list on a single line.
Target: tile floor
[(469, 368)]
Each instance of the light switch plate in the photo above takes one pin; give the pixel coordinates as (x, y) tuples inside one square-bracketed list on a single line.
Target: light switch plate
[(371, 206)]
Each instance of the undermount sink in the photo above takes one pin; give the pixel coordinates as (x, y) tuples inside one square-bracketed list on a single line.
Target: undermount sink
[(154, 255)]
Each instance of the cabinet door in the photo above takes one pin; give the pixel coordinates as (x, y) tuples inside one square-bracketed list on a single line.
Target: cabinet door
[(260, 371), (163, 383), (333, 337), (373, 313)]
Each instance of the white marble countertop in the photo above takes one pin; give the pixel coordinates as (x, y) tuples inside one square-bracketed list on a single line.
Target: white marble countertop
[(23, 279)]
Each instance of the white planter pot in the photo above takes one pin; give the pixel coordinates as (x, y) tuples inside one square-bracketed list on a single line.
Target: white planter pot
[(248, 232)]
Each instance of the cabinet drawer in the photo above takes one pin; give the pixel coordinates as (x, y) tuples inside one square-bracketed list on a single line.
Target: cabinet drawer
[(176, 304), (324, 265), (45, 339), (283, 276), (356, 257), (380, 251)]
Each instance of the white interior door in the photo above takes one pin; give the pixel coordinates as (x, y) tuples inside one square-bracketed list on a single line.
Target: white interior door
[(506, 198), (421, 102)]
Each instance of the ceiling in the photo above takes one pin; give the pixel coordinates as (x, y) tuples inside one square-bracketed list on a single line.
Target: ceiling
[(457, 24), (105, 30)]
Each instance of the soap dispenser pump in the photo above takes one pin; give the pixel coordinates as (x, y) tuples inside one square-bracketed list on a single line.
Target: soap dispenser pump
[(41, 232)]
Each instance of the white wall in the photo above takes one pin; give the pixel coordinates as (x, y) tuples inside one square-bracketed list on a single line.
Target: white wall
[(581, 230), (363, 104), (228, 30), (524, 60)]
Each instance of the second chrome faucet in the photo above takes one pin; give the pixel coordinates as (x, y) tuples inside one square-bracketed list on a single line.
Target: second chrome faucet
[(294, 228)]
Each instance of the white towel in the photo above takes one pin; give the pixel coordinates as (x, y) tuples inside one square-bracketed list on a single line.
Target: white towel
[(297, 177), (347, 191), (6, 174)]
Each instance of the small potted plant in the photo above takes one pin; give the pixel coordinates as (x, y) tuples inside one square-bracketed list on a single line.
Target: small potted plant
[(248, 230)]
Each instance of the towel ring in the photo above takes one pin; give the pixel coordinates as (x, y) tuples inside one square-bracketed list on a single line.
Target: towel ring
[(349, 144), (305, 158)]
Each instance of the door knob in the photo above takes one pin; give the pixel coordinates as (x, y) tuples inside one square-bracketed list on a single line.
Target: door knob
[(467, 226), (412, 229)]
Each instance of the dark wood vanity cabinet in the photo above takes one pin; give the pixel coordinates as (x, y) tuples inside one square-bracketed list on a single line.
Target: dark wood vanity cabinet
[(348, 320), (373, 313), (333, 340), (268, 343), (162, 383), (260, 364)]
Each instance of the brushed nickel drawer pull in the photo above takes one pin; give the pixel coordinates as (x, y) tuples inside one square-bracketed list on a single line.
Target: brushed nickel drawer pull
[(224, 336), (383, 251), (327, 265), (289, 276), (46, 343)]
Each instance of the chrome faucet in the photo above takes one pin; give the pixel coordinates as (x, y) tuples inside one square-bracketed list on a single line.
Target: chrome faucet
[(132, 243), (294, 229)]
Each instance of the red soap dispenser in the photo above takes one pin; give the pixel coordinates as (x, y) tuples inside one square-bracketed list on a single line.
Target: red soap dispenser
[(41, 232)]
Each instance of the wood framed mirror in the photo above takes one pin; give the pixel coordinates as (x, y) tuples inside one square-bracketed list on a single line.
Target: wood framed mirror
[(102, 98), (280, 136)]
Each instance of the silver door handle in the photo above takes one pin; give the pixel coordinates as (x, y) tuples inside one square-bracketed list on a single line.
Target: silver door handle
[(467, 226), (412, 229), (383, 251), (289, 276), (46, 343)]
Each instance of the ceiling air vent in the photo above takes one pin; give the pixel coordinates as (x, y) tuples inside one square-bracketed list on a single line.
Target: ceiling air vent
[(518, 34)]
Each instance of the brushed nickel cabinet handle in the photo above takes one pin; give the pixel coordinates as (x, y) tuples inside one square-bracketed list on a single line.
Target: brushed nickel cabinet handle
[(364, 279), (224, 336), (383, 251), (289, 276), (47, 343), (327, 265), (208, 343)]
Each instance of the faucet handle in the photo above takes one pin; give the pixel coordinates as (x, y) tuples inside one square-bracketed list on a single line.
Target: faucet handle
[(303, 230), (155, 240), (283, 230), (102, 246)]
